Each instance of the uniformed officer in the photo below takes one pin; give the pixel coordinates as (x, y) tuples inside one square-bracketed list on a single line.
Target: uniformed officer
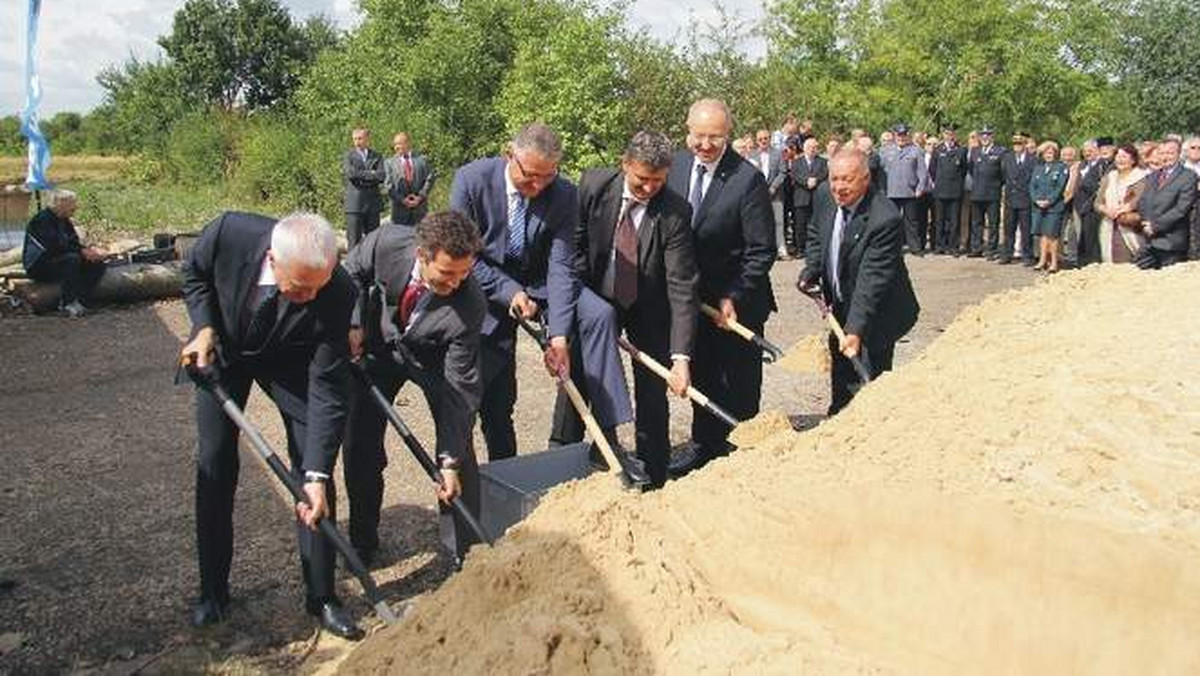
[(948, 172), (987, 177), (904, 165)]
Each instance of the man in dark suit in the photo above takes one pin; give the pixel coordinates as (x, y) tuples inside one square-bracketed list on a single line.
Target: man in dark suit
[(634, 249), (1166, 208), (53, 253), (812, 171), (854, 257), (1092, 171), (269, 304), (408, 178), (985, 165), (781, 188), (948, 172), (527, 214), (1018, 170), (362, 174), (418, 318), (735, 249)]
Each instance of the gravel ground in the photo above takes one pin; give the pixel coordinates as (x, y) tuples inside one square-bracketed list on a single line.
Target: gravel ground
[(97, 563)]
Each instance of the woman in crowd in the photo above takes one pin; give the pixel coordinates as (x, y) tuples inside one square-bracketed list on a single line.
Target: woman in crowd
[(1117, 204), (1070, 234), (1046, 188), (1146, 151)]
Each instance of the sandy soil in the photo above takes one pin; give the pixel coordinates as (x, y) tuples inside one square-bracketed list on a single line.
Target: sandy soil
[(97, 568), (1023, 497)]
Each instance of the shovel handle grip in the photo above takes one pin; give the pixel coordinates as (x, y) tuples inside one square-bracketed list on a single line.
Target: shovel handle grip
[(730, 325)]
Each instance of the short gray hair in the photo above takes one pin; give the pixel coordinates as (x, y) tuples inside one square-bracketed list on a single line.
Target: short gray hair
[(650, 148), (305, 239), (849, 154), (539, 138), (718, 104), (57, 197)]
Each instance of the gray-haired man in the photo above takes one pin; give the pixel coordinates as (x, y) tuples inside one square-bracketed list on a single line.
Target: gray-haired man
[(635, 257), (269, 304)]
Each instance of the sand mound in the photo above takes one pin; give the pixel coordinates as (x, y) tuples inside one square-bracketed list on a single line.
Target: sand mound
[(1022, 498), (810, 354)]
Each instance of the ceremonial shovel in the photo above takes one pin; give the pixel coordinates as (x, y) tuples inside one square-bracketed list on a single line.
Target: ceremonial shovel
[(772, 353), (663, 372), (836, 327), (205, 380)]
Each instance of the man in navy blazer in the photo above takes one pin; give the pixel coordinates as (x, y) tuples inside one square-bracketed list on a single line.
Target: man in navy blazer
[(527, 214), (734, 232), (1166, 206), (269, 304)]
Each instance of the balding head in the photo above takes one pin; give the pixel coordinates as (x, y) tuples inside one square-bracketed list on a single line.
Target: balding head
[(849, 176), (708, 123)]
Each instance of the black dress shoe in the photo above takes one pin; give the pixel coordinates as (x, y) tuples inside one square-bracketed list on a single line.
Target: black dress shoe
[(209, 612), (335, 620), (686, 460), (975, 254), (596, 458)]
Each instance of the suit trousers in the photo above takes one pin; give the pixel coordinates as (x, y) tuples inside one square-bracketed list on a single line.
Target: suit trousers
[(599, 364), (78, 275), (1089, 239), (1018, 218), (216, 482), (788, 225), (365, 457), (651, 422), (728, 369), (990, 209), (946, 226), (910, 207), (844, 380), (803, 217), (359, 225)]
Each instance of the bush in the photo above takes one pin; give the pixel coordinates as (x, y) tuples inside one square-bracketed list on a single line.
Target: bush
[(198, 147), (271, 167)]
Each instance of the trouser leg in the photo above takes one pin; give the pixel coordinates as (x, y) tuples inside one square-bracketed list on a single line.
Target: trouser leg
[(729, 370), (499, 400), (364, 457), (601, 361), (317, 553)]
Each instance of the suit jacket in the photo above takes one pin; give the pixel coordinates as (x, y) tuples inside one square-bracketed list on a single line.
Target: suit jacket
[(666, 259), (1016, 179), (905, 169), (1168, 208), (948, 171), (361, 179), (547, 265), (734, 234), (818, 168), (774, 162), (439, 350), (397, 188), (1047, 183), (878, 302), (987, 173), (878, 174), (1089, 184), (307, 346), (47, 236)]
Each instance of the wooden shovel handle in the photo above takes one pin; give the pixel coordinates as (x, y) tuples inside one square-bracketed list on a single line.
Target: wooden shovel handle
[(730, 325)]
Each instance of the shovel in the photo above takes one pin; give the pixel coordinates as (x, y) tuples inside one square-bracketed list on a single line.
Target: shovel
[(418, 451), (834, 325), (205, 380), (663, 372), (771, 352), (630, 471)]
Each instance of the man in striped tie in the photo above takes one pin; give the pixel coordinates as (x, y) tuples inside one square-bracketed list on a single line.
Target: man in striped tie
[(526, 213)]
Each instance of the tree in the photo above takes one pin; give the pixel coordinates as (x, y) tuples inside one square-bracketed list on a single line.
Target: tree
[(1161, 65)]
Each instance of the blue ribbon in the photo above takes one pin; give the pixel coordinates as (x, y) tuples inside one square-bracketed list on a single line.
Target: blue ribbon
[(39, 149)]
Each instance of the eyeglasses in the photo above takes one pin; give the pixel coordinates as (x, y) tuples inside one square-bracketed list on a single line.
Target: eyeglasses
[(541, 178), (714, 139)]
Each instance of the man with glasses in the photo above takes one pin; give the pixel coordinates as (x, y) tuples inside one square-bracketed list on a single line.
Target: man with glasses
[(735, 248), (527, 214), (1192, 162)]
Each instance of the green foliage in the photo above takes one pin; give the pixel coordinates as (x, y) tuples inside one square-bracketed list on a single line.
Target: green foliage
[(199, 147), (143, 99), (1161, 65), (270, 167)]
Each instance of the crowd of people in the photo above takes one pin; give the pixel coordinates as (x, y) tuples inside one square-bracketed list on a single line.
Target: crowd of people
[(668, 254), (1055, 205)]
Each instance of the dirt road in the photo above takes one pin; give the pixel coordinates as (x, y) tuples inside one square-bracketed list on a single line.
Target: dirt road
[(97, 561)]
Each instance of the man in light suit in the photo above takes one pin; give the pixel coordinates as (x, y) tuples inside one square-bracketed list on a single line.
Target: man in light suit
[(362, 174), (408, 180), (781, 188), (527, 214), (1166, 208), (904, 165), (634, 249), (854, 257), (735, 249), (418, 318), (812, 171), (269, 304)]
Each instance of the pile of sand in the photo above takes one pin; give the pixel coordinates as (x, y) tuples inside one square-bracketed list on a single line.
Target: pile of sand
[(1024, 497), (810, 354)]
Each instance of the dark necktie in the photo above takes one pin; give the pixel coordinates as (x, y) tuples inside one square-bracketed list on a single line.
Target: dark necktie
[(516, 228), (263, 319), (1164, 175), (408, 301), (698, 191), (625, 260)]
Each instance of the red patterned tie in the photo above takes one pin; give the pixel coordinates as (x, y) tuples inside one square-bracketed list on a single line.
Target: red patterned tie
[(1163, 176), (625, 261), (408, 172), (408, 301)]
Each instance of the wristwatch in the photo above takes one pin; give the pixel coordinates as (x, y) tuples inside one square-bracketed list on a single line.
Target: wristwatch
[(315, 477)]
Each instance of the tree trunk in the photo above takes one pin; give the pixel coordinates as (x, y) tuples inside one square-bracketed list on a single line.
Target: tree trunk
[(120, 284)]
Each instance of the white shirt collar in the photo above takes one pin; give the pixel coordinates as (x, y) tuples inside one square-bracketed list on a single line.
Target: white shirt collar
[(709, 167), (266, 276), (510, 188)]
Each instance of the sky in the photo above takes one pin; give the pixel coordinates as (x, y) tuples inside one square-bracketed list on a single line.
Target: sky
[(78, 38)]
